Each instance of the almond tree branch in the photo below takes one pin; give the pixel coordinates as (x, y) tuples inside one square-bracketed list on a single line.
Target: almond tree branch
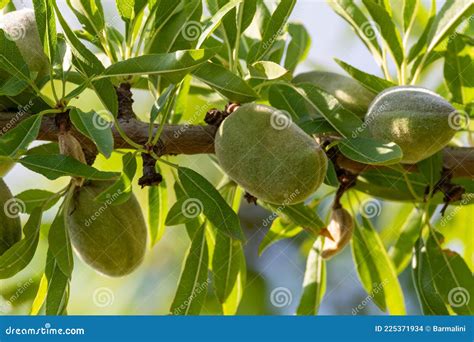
[(196, 139)]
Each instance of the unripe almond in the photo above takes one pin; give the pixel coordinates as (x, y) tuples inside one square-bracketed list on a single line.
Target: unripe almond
[(70, 146), (340, 227)]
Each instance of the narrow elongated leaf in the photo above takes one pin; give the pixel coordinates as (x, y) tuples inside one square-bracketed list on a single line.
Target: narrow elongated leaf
[(430, 300), (60, 244), (279, 230), (410, 8), (287, 98), (58, 287), (300, 215), (401, 252), (46, 23), (376, 270), (90, 66), (177, 213), (451, 275), (18, 256), (266, 70), (193, 283), (173, 65), (16, 141), (387, 28), (214, 207), (420, 44), (11, 60), (371, 151), (431, 169), (459, 68), (157, 208), (298, 47), (225, 82), (371, 82), (361, 25), (90, 14), (448, 18), (36, 198), (55, 166), (92, 126), (40, 296), (273, 29), (314, 283)]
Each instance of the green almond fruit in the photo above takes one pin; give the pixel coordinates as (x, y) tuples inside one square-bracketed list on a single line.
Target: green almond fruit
[(10, 224), (269, 156), (350, 93), (416, 119), (110, 238), (20, 27)]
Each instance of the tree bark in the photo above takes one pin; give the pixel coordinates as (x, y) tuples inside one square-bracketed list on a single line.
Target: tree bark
[(195, 139)]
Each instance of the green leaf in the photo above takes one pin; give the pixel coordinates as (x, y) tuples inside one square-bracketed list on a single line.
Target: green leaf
[(157, 207), (371, 82), (387, 29), (459, 68), (46, 23), (299, 214), (225, 82), (266, 70), (125, 8), (417, 48), (376, 270), (409, 8), (93, 126), (361, 25), (176, 214), (431, 169), (55, 166), (446, 21), (279, 230), (173, 65), (90, 66), (193, 283), (215, 20), (401, 252), (60, 243), (273, 29), (11, 59), (214, 207), (452, 277), (15, 141), (343, 121), (122, 188), (90, 14), (36, 198), (287, 98), (12, 86), (298, 47), (430, 300), (58, 287), (159, 104), (314, 283), (370, 151), (18, 256)]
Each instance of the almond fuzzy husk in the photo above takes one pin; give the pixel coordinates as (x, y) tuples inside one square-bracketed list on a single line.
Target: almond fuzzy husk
[(340, 227)]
